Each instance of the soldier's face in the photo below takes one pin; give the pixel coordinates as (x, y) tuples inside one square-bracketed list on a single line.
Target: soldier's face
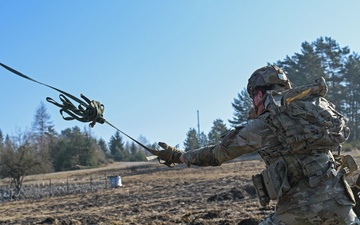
[(258, 103)]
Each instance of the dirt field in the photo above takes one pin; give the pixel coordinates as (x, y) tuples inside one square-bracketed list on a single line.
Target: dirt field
[(152, 194)]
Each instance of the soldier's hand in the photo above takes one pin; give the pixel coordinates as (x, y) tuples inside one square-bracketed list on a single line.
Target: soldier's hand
[(170, 154)]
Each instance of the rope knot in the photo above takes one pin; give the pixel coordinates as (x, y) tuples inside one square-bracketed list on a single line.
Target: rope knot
[(88, 111)]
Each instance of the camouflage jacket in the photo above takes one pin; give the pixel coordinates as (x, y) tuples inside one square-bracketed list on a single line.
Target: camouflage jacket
[(312, 177)]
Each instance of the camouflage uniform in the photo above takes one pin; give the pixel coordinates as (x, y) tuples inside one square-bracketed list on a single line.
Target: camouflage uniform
[(314, 192)]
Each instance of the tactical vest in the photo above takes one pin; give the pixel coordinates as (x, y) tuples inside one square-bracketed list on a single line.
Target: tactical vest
[(309, 129), (304, 121)]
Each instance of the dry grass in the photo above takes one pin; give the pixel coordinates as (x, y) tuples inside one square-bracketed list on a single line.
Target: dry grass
[(151, 194)]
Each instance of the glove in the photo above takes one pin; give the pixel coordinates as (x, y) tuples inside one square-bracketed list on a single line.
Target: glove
[(170, 154)]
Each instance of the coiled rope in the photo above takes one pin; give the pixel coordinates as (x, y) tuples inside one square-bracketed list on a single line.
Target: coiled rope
[(87, 110)]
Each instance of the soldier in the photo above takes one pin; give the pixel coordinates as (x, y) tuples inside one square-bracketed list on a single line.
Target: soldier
[(295, 131)]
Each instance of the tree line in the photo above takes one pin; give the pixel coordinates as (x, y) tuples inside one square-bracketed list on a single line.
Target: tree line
[(42, 149), (323, 57)]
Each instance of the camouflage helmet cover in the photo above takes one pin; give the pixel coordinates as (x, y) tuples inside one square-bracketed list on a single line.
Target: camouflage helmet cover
[(268, 76)]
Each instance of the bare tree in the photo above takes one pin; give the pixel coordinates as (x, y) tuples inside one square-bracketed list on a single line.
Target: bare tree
[(18, 158)]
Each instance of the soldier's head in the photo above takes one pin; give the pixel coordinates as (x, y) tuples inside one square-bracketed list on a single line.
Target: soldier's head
[(263, 79)]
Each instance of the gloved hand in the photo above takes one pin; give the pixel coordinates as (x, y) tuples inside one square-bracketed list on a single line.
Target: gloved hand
[(170, 154)]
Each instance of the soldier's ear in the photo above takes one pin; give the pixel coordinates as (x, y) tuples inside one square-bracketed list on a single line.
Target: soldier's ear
[(260, 94)]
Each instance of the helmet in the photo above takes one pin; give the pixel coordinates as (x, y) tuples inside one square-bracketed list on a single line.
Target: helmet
[(268, 76)]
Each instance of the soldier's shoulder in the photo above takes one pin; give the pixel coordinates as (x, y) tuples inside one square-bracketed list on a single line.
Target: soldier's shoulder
[(257, 123)]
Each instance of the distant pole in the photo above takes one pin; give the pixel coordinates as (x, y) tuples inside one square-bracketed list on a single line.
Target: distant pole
[(198, 119)]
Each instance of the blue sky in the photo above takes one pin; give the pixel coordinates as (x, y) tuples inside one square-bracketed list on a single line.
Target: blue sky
[(153, 64)]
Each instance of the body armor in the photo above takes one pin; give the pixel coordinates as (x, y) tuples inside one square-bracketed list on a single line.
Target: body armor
[(309, 130)]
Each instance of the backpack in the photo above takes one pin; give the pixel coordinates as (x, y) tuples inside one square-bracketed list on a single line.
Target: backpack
[(304, 121)]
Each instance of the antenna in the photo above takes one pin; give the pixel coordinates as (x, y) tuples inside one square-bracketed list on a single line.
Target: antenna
[(198, 119)]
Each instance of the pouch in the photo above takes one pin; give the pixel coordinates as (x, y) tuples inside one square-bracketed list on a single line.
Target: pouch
[(275, 179)]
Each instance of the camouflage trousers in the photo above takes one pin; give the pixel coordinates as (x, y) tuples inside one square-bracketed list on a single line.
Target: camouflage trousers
[(329, 212)]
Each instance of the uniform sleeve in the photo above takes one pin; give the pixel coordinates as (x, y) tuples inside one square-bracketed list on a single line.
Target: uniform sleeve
[(238, 142)]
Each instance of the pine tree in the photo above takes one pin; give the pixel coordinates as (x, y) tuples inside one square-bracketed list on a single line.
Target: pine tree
[(117, 148), (43, 134), (304, 67), (217, 131), (75, 149), (242, 105), (1, 139), (191, 142), (103, 146), (136, 153), (202, 139), (333, 59), (352, 94)]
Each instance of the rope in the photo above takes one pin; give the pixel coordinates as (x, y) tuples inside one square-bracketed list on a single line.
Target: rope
[(87, 111)]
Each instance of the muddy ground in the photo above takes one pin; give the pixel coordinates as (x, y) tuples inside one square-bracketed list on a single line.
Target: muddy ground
[(154, 194)]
